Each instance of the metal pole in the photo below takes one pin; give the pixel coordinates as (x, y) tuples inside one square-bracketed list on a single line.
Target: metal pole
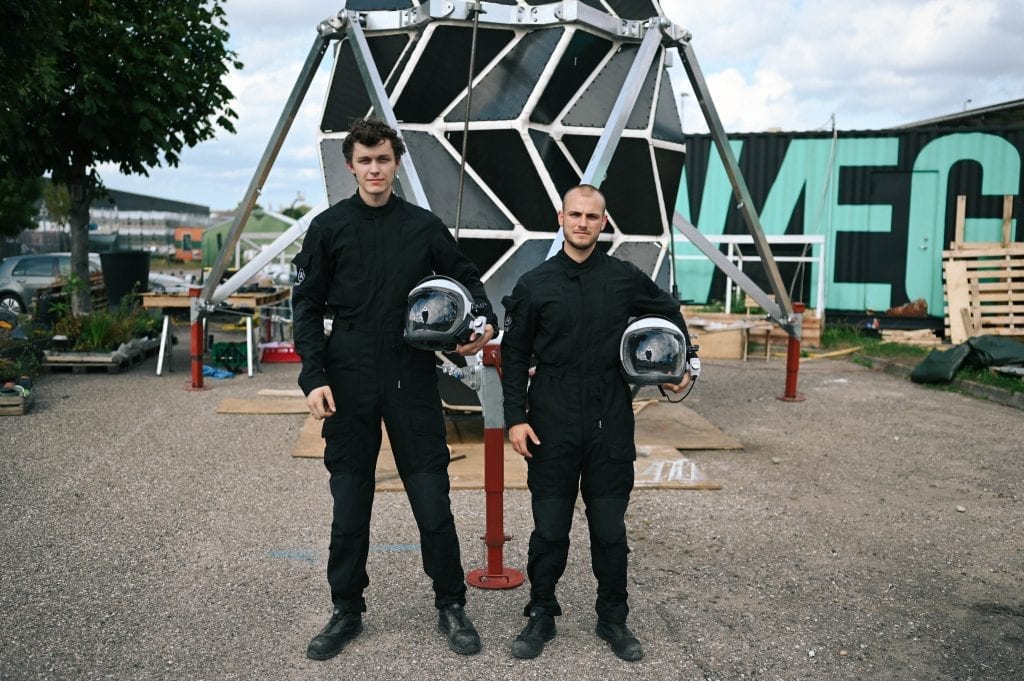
[(793, 360), (495, 575), (732, 169), (726, 265), (197, 340), (284, 123), (410, 179), (597, 168), (465, 124)]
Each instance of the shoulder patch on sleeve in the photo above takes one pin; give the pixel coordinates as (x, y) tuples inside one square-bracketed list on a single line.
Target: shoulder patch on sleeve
[(510, 305)]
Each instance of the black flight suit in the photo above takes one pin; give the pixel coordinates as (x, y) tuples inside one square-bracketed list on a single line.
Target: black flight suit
[(570, 317), (359, 263)]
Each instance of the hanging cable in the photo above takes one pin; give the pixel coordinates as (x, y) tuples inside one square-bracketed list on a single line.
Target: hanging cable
[(475, 9)]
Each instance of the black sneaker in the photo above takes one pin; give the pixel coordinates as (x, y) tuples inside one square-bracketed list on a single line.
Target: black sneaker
[(622, 641), (538, 631), (453, 623), (340, 629)]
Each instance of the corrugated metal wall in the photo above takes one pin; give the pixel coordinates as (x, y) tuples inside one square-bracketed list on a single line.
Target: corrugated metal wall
[(884, 200)]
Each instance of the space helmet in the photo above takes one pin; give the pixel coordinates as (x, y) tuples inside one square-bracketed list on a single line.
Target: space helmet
[(653, 351), (439, 314)]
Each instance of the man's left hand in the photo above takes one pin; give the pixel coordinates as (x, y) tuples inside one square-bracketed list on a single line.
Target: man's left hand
[(678, 387), (476, 342)]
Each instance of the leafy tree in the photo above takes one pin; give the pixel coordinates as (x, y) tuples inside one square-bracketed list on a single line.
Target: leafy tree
[(133, 83), (26, 70), (56, 203), (296, 212), (18, 196)]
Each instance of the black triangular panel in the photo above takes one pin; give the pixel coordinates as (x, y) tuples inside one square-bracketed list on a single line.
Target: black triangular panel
[(501, 159), (581, 57), (634, 9), (558, 167), (666, 119), (530, 254), (670, 172), (641, 114), (643, 254), (502, 94), (629, 184), (439, 173), (347, 98), (440, 73), (593, 108)]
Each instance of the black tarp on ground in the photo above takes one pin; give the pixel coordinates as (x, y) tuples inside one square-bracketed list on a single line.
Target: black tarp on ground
[(981, 351)]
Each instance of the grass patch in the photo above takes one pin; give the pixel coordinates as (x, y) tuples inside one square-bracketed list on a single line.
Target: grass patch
[(841, 336), (990, 378)]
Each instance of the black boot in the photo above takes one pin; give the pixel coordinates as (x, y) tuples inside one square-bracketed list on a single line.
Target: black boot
[(622, 641), (538, 631), (453, 623), (342, 628)]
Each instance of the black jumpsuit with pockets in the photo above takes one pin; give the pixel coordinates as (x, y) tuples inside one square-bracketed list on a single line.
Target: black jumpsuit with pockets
[(358, 263), (569, 318)]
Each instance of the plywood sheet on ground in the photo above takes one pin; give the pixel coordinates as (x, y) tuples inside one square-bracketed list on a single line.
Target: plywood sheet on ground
[(239, 405), (662, 430)]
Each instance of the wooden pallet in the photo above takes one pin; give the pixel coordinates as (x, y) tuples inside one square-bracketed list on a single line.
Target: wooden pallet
[(984, 291), (99, 362), (57, 293), (983, 282)]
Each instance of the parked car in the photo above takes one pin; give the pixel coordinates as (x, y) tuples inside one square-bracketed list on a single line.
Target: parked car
[(21, 276)]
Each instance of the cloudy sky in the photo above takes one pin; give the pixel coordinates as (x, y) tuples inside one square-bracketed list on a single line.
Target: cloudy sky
[(785, 64)]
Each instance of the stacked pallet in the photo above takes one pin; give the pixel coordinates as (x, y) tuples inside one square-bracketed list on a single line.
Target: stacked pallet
[(984, 284), (60, 293)]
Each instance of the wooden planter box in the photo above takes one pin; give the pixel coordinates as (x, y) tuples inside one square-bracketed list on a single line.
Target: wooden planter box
[(16, 404)]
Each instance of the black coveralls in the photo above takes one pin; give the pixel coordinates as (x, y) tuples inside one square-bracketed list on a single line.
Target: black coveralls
[(571, 317), (359, 263)]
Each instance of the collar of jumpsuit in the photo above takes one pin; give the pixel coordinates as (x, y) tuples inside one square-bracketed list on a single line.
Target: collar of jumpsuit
[(576, 269)]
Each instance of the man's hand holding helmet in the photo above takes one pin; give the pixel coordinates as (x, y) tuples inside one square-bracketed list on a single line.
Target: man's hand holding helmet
[(476, 342), (680, 386)]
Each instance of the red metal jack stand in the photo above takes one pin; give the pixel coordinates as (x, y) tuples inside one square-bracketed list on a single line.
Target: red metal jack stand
[(793, 360), (495, 575)]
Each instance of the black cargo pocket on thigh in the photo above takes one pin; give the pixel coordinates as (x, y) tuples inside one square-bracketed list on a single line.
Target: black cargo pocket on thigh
[(621, 450)]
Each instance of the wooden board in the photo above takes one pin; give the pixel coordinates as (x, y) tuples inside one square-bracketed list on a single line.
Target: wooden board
[(958, 298), (662, 431), (284, 405), (246, 301), (984, 293)]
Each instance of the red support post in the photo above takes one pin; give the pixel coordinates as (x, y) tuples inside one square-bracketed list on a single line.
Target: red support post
[(197, 343), (495, 575), (793, 362)]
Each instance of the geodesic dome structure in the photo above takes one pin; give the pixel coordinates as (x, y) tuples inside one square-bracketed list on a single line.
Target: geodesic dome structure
[(545, 80)]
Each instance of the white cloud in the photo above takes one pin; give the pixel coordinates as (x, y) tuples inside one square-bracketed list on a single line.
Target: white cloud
[(788, 64)]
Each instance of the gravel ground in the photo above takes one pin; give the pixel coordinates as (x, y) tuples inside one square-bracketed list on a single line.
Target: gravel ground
[(873, 531)]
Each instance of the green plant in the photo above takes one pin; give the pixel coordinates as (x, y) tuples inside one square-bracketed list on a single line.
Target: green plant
[(21, 354), (105, 330), (842, 336)]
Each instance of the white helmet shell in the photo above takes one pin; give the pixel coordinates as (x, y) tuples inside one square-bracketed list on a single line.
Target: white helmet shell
[(438, 315), (653, 351)]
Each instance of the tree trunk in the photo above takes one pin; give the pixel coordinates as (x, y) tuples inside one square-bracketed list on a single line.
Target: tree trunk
[(81, 197)]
